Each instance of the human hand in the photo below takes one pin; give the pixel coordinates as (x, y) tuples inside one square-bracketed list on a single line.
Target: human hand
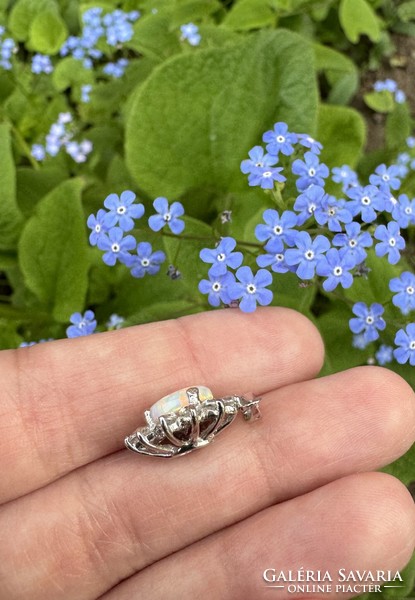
[(81, 517)]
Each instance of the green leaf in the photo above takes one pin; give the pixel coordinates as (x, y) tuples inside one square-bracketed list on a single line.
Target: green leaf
[(249, 14), (23, 14), (47, 32), (53, 251), (69, 72), (376, 287), (10, 215), (193, 10), (153, 36), (406, 11), (381, 102), (342, 131), (404, 467), (197, 115), (33, 185), (398, 126), (340, 71), (160, 311), (9, 338), (358, 17)]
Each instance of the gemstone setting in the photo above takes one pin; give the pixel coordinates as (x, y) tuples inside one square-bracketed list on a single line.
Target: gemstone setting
[(185, 397)]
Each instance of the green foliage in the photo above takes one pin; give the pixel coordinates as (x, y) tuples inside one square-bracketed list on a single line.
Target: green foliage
[(23, 15), (381, 102), (249, 14), (10, 215), (398, 126), (55, 266), (340, 72), (358, 17), (47, 32), (220, 101), (342, 132)]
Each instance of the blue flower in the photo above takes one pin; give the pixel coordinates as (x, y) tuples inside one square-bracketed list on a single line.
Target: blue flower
[(388, 85), (81, 324), (405, 340), (38, 152), (355, 241), (116, 69), (368, 320), (97, 225), (167, 215), (333, 212), (265, 177), (274, 257), (85, 93), (41, 64), (280, 139), (359, 341), (190, 32), (400, 96), (281, 228), (404, 286), (335, 265), (122, 211), (309, 142), (307, 254), (308, 202), (257, 158), (410, 141), (251, 288), (404, 211), (365, 200), (217, 288), (146, 260), (222, 257), (115, 322), (344, 175), (384, 355), (388, 175), (390, 242), (116, 246), (310, 171)]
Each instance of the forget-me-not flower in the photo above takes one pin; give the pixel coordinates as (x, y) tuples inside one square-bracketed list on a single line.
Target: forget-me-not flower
[(404, 288), (384, 355), (116, 246), (222, 257), (251, 289), (216, 287), (98, 226), (335, 266), (279, 139), (391, 242), (122, 210), (368, 320), (81, 324), (333, 213), (355, 241), (404, 211), (365, 201), (405, 340), (307, 203), (167, 215), (386, 175), (276, 226), (146, 261), (310, 171), (307, 254)]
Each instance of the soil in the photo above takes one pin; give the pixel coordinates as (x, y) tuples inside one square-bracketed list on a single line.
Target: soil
[(400, 66)]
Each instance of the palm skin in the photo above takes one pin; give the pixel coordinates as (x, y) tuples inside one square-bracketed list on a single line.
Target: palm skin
[(82, 518)]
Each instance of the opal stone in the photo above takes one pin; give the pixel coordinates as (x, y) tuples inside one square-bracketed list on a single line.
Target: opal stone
[(173, 402)]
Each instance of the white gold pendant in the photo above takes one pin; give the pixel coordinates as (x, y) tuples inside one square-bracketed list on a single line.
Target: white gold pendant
[(187, 420)]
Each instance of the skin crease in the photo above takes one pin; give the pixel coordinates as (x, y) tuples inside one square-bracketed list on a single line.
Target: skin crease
[(82, 518)]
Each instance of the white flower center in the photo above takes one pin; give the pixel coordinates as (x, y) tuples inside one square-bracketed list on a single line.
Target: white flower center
[(392, 242), (97, 228), (343, 174), (311, 208), (250, 288), (408, 210), (167, 217), (385, 177), (309, 255), (82, 325), (121, 210), (115, 247), (352, 243), (393, 200), (221, 257), (216, 286), (279, 257), (278, 230), (280, 139), (410, 290), (311, 172), (145, 262), (370, 320), (412, 345), (332, 211), (337, 271), (366, 200), (267, 174), (259, 164)]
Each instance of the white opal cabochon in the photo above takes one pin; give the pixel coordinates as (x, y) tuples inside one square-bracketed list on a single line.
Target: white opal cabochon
[(175, 401)]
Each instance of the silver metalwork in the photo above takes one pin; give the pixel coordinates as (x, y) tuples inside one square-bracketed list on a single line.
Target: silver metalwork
[(191, 427)]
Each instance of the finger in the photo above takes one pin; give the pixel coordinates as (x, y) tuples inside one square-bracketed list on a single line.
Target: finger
[(124, 512), (363, 522), (69, 402)]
